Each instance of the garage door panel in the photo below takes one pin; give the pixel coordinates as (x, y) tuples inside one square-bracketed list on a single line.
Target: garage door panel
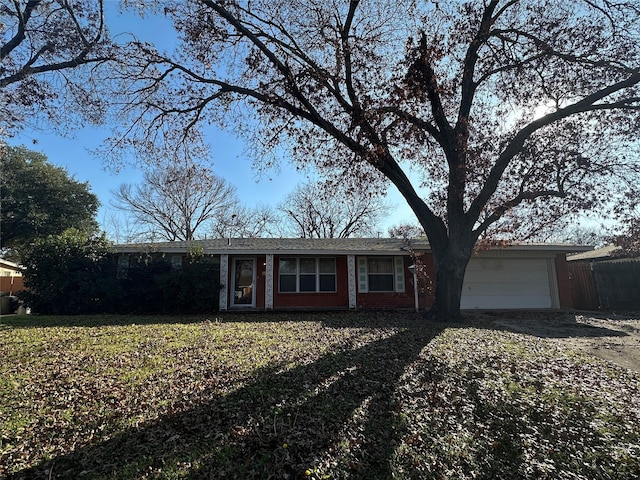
[(507, 283), (507, 264), (523, 276), (515, 267), (507, 302), (513, 289)]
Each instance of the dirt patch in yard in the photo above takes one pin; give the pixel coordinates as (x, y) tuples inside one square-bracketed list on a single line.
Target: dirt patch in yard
[(611, 337)]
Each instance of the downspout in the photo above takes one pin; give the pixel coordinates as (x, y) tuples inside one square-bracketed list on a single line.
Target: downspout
[(412, 269)]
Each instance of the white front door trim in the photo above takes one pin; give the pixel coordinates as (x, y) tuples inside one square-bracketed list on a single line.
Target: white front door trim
[(243, 282)]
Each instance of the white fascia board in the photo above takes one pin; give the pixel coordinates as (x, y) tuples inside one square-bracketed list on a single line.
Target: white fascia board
[(546, 247), (281, 252), (287, 252)]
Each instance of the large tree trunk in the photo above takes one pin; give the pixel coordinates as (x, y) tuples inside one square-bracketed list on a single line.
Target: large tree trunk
[(450, 267)]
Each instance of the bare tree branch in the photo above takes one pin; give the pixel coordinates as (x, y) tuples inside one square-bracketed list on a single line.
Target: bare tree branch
[(179, 200)]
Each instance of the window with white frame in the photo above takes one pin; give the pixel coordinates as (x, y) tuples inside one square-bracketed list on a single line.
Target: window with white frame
[(307, 274), (380, 274)]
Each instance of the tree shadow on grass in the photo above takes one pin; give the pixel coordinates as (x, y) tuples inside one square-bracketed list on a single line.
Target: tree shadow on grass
[(337, 413), (546, 324), (486, 415), (332, 319)]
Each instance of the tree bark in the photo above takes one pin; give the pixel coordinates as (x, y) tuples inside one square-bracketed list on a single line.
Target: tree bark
[(450, 266)]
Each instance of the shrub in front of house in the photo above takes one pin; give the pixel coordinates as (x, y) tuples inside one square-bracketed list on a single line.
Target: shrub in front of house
[(64, 274), (76, 274)]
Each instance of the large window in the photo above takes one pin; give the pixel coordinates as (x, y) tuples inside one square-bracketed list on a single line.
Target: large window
[(380, 274), (307, 274)]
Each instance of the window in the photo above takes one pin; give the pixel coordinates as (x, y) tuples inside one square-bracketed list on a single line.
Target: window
[(176, 262), (327, 274), (123, 266), (380, 274), (288, 275), (307, 274)]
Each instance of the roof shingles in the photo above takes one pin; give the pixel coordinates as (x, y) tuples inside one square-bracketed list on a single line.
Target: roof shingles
[(273, 245)]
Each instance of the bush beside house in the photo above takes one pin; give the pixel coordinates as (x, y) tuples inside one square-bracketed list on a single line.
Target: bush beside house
[(155, 283), (74, 273)]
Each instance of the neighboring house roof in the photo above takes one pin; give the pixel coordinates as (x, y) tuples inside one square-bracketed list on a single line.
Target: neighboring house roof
[(352, 246), (6, 265), (605, 253)]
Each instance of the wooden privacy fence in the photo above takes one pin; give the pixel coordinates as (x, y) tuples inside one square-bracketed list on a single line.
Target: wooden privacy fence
[(618, 284), (583, 288), (608, 285)]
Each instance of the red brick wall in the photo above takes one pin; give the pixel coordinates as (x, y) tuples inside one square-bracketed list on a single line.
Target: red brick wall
[(386, 299), (564, 283), (7, 287)]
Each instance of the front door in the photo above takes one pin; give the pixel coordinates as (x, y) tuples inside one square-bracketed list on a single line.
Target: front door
[(243, 278)]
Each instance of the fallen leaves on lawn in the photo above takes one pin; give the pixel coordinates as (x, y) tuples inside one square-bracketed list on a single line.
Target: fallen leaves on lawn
[(358, 395)]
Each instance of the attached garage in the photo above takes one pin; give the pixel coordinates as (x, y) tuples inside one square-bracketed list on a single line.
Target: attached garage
[(506, 282)]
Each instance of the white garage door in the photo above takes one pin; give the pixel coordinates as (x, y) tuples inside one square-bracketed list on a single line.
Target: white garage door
[(507, 283)]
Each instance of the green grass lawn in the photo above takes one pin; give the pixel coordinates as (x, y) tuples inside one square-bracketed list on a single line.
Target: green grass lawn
[(360, 395)]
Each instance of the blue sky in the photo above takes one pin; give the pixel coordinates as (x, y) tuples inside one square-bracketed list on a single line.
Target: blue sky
[(73, 153), (73, 150)]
